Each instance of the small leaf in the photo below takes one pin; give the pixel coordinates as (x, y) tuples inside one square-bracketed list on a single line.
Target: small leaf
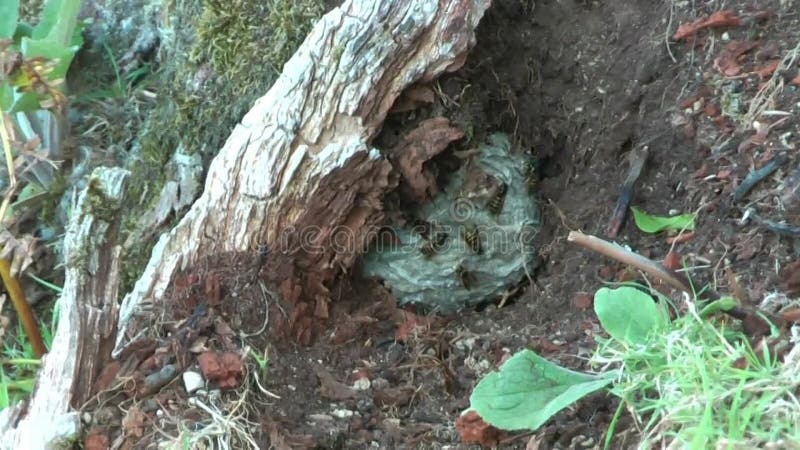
[(723, 304), (653, 224), (528, 390), (627, 314), (9, 13)]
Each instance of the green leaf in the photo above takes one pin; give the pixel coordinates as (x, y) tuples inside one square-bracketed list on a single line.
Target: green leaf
[(9, 14), (528, 390), (6, 96), (723, 304), (26, 102), (653, 224), (628, 314), (50, 50), (58, 21)]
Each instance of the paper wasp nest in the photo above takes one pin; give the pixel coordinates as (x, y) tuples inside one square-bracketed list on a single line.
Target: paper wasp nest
[(472, 242)]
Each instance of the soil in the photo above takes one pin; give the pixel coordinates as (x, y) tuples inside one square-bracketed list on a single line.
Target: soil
[(579, 84)]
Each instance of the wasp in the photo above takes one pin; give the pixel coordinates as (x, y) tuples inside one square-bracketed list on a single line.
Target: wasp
[(464, 277), (531, 178), (423, 228), (496, 203), (472, 239), (434, 245)]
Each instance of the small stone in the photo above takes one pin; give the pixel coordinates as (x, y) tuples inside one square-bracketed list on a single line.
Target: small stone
[(192, 381), (726, 36), (320, 417), (588, 442), (342, 413), (466, 344), (362, 384)]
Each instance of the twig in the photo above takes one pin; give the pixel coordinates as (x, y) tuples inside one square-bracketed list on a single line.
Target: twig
[(637, 160), (757, 175), (621, 254), (755, 323)]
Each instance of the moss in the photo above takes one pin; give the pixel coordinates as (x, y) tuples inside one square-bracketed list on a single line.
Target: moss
[(231, 56)]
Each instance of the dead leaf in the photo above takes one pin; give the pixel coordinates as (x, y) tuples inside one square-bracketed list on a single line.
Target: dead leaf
[(790, 274), (672, 261), (96, 440), (473, 430), (582, 300), (718, 19), (223, 368), (683, 237), (795, 81), (727, 60), (19, 251), (106, 377), (330, 388), (394, 397), (280, 439), (133, 422), (767, 69)]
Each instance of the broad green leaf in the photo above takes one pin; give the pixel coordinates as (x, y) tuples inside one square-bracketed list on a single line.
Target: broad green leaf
[(653, 224), (26, 102), (9, 14), (528, 390), (57, 21), (627, 314), (6, 96), (50, 50)]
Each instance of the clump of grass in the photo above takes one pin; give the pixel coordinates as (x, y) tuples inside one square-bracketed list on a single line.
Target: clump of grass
[(701, 385), (19, 364)]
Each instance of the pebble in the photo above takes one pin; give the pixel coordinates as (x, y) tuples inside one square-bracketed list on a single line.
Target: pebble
[(192, 381), (342, 413), (320, 417), (362, 384)]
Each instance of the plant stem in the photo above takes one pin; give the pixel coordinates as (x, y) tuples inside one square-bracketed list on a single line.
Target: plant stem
[(24, 311)]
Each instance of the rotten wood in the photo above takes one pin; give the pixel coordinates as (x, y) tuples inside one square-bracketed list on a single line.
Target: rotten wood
[(299, 173), (86, 326)]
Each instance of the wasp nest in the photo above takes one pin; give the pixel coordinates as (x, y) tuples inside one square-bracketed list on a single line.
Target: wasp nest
[(472, 242)]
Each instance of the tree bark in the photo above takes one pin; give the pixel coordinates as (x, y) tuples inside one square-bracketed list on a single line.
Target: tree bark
[(86, 324)]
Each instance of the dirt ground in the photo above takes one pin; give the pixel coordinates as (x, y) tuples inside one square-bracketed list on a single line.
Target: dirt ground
[(580, 84)]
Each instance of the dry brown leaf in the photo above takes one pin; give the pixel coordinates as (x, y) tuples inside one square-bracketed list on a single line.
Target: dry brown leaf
[(330, 388), (716, 20), (19, 251)]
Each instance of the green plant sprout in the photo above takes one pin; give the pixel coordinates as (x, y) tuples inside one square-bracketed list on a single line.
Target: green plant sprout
[(690, 382), (654, 224)]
